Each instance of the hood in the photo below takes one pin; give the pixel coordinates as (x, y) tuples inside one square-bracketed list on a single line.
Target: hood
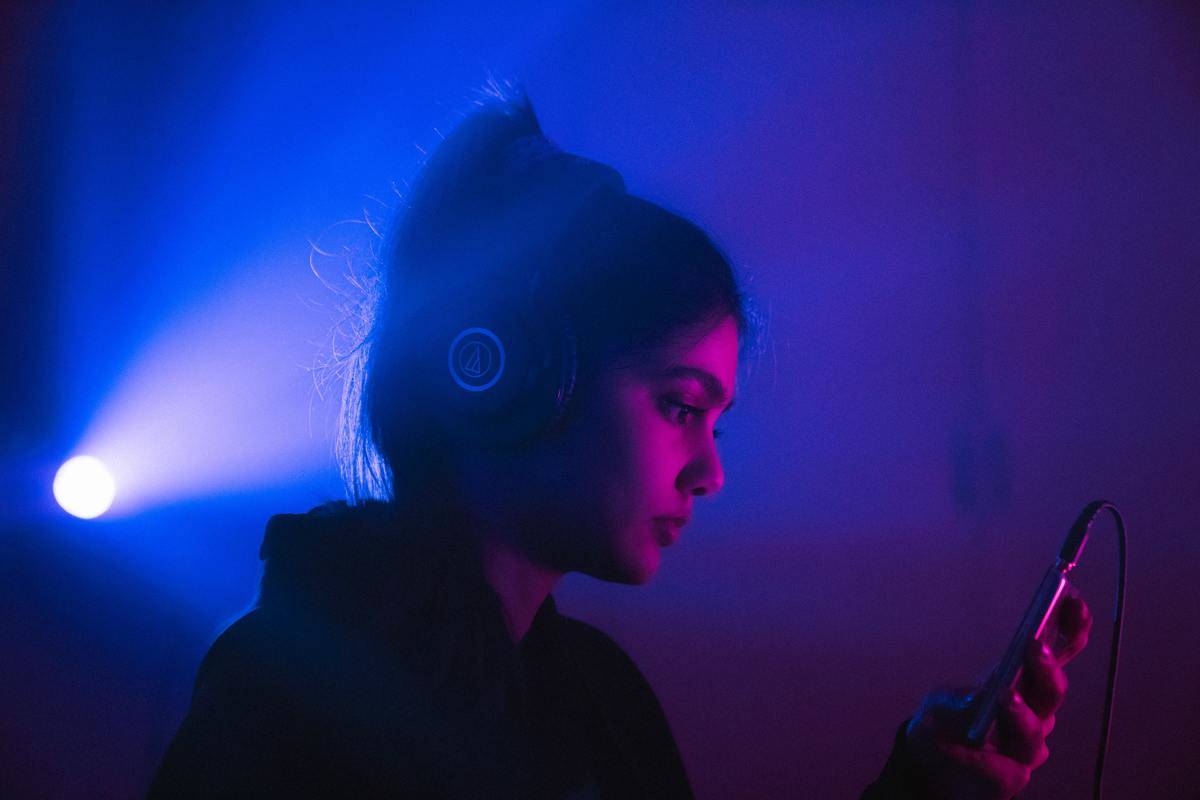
[(371, 566), (333, 558), (370, 574)]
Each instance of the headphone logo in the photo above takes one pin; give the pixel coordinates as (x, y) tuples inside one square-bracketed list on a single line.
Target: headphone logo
[(476, 359)]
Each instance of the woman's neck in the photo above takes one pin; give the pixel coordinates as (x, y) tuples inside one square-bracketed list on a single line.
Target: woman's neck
[(521, 584), (478, 503)]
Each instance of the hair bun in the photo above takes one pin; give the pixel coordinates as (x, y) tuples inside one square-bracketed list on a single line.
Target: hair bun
[(459, 179), (495, 177)]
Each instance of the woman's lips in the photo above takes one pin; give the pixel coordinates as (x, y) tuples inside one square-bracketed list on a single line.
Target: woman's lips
[(668, 530)]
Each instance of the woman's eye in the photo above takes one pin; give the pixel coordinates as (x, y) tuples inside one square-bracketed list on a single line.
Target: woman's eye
[(682, 413)]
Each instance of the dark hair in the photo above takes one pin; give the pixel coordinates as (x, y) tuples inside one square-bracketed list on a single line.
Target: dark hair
[(496, 196)]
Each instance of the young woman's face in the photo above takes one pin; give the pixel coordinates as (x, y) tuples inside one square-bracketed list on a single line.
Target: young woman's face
[(624, 480)]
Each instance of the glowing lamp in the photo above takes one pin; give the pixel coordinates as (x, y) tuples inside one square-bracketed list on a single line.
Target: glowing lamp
[(84, 487)]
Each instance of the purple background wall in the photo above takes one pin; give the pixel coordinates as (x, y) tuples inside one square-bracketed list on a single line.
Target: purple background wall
[(976, 230)]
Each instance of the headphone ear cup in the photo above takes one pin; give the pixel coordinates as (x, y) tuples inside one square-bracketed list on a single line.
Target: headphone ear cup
[(506, 374)]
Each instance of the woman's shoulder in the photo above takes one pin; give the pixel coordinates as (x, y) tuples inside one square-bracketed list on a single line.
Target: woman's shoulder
[(631, 710), (306, 676), (612, 675), (587, 643), (286, 704), (268, 652)]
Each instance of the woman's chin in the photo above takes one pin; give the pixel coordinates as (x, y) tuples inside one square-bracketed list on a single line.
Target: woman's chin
[(632, 570), (642, 568)]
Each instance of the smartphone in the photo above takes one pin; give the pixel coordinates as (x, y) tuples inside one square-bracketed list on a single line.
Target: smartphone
[(1045, 600), (1008, 672)]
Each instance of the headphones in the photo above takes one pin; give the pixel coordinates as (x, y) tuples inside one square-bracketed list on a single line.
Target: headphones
[(498, 358), (504, 364)]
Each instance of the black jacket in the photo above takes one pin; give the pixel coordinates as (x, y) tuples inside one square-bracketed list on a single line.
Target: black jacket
[(376, 663)]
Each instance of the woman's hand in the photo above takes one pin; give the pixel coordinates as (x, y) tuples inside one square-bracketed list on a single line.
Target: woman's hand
[(1017, 744)]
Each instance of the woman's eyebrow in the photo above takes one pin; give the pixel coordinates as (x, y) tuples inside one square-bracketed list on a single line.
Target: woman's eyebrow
[(712, 385)]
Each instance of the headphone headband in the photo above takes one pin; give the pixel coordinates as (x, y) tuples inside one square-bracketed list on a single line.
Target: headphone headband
[(499, 352)]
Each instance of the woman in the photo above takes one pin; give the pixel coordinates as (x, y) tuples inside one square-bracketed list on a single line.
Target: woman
[(537, 394)]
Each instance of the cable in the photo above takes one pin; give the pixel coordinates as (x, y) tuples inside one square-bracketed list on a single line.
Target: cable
[(1086, 518)]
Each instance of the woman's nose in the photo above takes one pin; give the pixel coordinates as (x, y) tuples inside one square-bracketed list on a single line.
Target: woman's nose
[(704, 474)]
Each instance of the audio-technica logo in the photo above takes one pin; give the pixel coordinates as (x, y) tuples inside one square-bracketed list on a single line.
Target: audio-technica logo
[(476, 359)]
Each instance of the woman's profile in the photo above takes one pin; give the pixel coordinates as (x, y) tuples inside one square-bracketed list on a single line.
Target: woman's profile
[(539, 393)]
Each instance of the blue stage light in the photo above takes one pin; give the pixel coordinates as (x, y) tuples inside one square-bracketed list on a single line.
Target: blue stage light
[(84, 487)]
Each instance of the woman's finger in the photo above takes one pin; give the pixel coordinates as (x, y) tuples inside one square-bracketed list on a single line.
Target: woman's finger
[(1043, 682), (965, 771), (1020, 733), (1072, 624)]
